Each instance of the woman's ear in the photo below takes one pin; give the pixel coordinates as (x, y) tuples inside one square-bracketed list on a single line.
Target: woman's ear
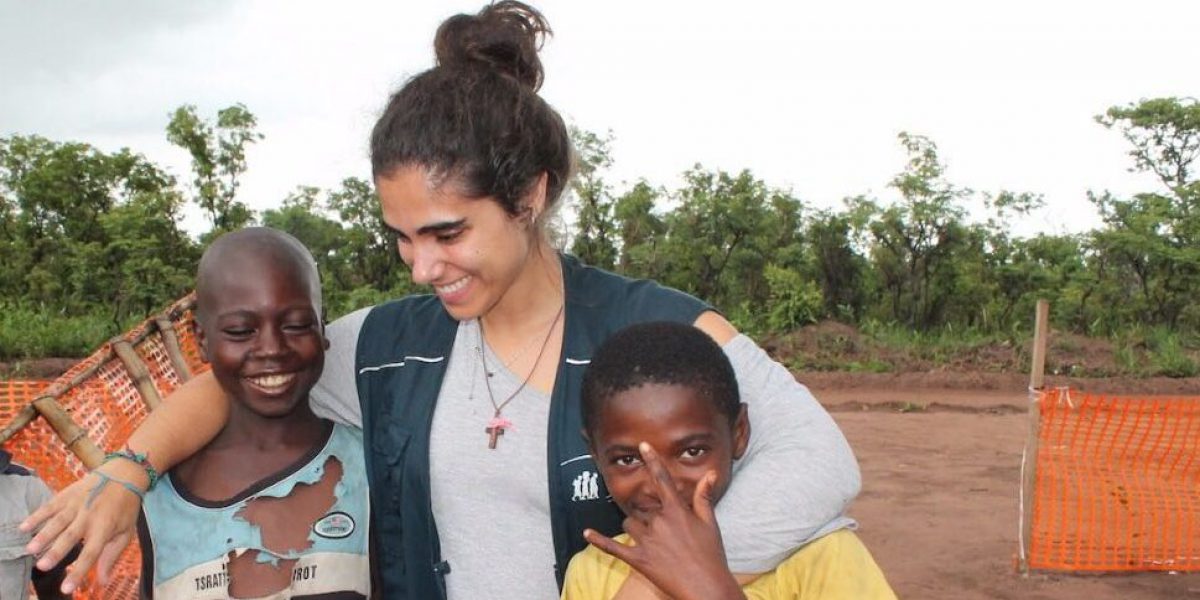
[(741, 432), (535, 201)]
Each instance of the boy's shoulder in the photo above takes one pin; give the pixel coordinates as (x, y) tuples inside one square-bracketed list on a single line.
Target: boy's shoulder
[(837, 565)]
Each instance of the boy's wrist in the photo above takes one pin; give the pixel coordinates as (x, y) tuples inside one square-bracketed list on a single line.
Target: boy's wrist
[(126, 470)]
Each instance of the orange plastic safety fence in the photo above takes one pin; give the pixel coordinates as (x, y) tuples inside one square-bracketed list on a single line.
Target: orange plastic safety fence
[(108, 406), (16, 394), (1117, 484)]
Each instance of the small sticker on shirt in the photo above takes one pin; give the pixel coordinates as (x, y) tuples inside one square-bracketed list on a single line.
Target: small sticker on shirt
[(334, 526)]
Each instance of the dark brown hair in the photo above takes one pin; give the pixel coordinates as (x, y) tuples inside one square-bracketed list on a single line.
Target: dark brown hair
[(476, 116), (659, 352)]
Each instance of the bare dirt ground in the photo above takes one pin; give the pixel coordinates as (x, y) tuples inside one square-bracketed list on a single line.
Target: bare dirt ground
[(940, 456)]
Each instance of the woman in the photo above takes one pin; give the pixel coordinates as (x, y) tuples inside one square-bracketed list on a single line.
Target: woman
[(469, 162)]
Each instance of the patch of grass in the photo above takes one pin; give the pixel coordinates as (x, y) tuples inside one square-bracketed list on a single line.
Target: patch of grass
[(26, 333), (1168, 355), (871, 365)]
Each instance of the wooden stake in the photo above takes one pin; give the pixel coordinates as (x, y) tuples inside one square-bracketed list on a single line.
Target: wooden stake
[(1037, 371), (1037, 381)]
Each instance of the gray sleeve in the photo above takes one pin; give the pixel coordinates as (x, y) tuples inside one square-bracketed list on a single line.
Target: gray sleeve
[(798, 474), (37, 493), (335, 396)]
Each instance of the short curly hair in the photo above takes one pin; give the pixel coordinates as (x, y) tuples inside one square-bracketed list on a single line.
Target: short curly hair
[(659, 353)]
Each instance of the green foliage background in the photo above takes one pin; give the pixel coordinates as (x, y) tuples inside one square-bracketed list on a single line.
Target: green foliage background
[(91, 242)]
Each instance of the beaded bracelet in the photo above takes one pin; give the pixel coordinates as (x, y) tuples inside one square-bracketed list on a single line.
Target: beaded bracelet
[(105, 479), (139, 459)]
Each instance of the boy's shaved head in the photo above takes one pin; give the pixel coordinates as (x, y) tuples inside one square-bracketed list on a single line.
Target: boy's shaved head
[(660, 353), (233, 250)]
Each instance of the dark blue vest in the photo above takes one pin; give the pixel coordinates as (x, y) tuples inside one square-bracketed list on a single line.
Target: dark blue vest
[(403, 351)]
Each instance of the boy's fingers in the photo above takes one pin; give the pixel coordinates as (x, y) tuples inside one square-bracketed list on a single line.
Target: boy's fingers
[(609, 545), (59, 546), (702, 503), (52, 527), (81, 566), (109, 555), (660, 475)]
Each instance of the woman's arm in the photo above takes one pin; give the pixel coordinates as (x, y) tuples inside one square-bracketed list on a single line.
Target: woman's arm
[(106, 520), (798, 474)]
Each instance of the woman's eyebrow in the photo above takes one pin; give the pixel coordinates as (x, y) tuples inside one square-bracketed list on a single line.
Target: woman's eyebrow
[(427, 229), (441, 226)]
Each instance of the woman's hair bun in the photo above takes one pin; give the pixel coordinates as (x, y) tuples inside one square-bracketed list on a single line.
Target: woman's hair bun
[(504, 36)]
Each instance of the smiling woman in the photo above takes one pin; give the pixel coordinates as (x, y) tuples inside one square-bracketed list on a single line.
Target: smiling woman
[(471, 436)]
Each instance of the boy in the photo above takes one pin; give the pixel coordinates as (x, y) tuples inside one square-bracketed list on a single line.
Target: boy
[(663, 420), (276, 505)]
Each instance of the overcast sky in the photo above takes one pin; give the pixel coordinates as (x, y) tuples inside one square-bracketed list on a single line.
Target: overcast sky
[(808, 95)]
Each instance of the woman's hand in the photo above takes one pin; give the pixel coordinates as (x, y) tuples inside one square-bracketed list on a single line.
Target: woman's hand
[(104, 519), (679, 548)]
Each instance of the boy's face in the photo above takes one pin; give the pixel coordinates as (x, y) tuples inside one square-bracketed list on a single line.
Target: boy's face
[(687, 431), (262, 335)]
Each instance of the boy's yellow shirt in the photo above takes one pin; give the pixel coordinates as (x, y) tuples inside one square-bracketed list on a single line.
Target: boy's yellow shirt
[(833, 567)]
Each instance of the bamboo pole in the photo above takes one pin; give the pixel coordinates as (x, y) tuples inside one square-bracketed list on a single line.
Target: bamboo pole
[(26, 416), (1037, 381), (74, 436), (174, 352), (138, 373)]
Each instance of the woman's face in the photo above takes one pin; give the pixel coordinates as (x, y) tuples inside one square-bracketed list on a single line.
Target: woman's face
[(469, 249)]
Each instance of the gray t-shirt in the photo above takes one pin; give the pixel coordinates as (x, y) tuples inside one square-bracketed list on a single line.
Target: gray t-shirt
[(20, 494), (492, 506)]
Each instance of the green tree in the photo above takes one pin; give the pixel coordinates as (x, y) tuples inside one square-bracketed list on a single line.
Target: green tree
[(1153, 238), (640, 230), (914, 239), (839, 269), (722, 235), (218, 152), (88, 231), (594, 227)]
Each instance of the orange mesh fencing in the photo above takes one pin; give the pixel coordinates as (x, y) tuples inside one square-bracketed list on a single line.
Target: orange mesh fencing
[(101, 397), (1116, 484)]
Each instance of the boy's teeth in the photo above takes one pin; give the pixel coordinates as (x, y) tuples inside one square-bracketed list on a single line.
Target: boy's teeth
[(269, 381), (454, 287)]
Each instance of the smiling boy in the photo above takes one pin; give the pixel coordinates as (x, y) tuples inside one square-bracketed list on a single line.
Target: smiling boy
[(664, 422), (276, 505)]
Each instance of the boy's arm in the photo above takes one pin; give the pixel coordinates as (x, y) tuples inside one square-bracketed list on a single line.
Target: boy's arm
[(679, 548), (106, 519)]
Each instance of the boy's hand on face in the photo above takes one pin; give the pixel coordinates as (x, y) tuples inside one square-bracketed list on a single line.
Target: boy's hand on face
[(678, 548)]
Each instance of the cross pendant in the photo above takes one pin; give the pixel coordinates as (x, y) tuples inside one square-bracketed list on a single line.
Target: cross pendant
[(496, 428), (494, 433)]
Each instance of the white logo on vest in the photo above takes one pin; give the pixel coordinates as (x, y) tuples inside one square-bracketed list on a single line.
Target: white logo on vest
[(587, 486)]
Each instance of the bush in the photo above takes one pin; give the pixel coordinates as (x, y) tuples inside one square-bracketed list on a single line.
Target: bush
[(795, 301)]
